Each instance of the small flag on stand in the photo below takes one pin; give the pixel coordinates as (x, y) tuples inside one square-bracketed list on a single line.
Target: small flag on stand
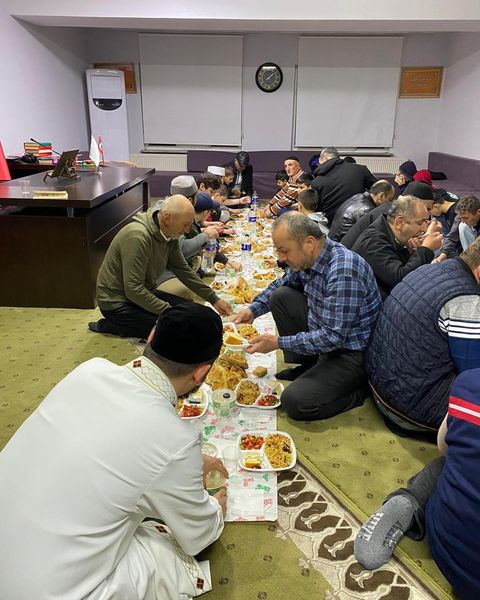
[(100, 149), (4, 171), (94, 153)]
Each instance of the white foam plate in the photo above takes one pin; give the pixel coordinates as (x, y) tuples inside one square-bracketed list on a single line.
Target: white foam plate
[(200, 395), (266, 387), (266, 466)]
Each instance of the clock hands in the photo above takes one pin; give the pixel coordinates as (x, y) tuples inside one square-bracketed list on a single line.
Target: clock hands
[(269, 77)]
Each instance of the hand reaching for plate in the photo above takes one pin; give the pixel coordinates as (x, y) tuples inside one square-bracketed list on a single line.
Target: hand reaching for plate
[(263, 343)]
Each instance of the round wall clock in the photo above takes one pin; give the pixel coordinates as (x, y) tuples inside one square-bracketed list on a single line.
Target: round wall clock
[(269, 77)]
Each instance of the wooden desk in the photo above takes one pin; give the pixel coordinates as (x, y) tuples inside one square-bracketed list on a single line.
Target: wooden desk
[(51, 251), (19, 169)]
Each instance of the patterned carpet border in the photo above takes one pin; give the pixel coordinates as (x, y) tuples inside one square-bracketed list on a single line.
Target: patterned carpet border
[(324, 529)]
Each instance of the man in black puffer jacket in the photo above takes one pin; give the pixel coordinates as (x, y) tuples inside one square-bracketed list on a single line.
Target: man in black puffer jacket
[(381, 192), (422, 191), (337, 180)]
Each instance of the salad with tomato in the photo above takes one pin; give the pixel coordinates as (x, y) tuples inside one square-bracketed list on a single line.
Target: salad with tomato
[(251, 442), (268, 400)]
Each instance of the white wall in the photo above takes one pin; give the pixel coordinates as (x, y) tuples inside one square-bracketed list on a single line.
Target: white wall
[(267, 118), (417, 121), (43, 90), (459, 129)]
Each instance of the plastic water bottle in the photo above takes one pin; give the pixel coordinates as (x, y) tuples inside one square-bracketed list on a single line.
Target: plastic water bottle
[(254, 202), (246, 254), (252, 220), (209, 256)]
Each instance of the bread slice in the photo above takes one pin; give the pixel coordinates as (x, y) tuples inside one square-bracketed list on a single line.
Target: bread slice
[(259, 371)]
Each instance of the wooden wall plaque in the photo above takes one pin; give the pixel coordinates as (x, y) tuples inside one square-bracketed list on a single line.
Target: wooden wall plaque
[(128, 70), (420, 82)]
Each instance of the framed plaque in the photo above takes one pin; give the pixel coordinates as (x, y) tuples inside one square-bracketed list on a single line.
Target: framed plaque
[(420, 82), (128, 70)]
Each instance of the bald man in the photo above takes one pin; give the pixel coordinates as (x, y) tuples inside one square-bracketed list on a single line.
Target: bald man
[(126, 292)]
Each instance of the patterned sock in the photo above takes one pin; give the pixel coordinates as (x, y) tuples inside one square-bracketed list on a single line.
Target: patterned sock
[(378, 537)]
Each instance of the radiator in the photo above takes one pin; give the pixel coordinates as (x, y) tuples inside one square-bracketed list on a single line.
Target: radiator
[(178, 162), (160, 162), (380, 164)]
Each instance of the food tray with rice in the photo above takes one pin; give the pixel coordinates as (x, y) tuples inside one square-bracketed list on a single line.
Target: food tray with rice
[(193, 406), (266, 451), (228, 326), (218, 285), (265, 275), (247, 331), (232, 248), (262, 395)]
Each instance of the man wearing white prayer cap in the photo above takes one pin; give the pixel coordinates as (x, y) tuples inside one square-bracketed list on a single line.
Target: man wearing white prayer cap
[(217, 171)]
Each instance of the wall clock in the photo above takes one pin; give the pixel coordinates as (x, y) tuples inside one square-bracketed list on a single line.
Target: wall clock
[(269, 77)]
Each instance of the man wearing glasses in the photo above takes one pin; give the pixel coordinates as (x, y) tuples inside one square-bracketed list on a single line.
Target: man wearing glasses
[(399, 242)]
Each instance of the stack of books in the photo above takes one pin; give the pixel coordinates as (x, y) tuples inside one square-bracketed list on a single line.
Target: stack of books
[(42, 151)]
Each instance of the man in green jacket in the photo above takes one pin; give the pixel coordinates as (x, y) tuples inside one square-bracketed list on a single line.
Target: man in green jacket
[(139, 253)]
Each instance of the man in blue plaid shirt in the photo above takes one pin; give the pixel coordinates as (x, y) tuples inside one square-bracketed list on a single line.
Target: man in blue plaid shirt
[(325, 308)]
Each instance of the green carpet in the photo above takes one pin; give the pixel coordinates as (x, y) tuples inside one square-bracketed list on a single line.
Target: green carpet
[(39, 347), (255, 561), (353, 454), (357, 458)]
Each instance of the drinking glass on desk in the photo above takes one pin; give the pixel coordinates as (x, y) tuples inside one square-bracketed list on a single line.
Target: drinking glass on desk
[(25, 187)]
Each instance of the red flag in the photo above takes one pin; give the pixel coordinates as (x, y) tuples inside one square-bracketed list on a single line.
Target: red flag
[(100, 149), (4, 172)]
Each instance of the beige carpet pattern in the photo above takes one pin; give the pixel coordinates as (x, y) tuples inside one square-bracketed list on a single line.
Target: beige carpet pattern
[(324, 531)]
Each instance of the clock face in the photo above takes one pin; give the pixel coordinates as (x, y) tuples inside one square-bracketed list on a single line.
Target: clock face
[(269, 77)]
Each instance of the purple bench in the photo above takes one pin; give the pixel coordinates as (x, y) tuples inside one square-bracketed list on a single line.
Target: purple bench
[(463, 174), (265, 164)]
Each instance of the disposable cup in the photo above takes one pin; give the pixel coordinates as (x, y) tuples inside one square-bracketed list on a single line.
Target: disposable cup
[(223, 401), (214, 481), (229, 455), (25, 187)]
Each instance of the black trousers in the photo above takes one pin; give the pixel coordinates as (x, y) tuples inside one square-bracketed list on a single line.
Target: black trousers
[(334, 383), (419, 489), (130, 320)]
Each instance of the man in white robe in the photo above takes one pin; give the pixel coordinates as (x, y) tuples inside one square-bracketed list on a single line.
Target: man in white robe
[(103, 453)]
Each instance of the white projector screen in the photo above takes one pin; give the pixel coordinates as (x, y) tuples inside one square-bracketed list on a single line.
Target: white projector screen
[(347, 90), (191, 89)]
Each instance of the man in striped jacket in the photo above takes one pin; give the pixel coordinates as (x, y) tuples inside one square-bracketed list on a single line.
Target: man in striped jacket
[(287, 196), (427, 332)]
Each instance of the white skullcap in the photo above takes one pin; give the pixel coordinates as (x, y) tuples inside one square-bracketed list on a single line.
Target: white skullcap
[(217, 171)]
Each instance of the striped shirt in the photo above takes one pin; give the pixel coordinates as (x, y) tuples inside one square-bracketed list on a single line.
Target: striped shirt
[(460, 320), (287, 196), (342, 298)]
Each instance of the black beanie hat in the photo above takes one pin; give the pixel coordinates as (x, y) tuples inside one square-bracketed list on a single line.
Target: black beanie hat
[(420, 190), (408, 168), (188, 333), (293, 158)]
